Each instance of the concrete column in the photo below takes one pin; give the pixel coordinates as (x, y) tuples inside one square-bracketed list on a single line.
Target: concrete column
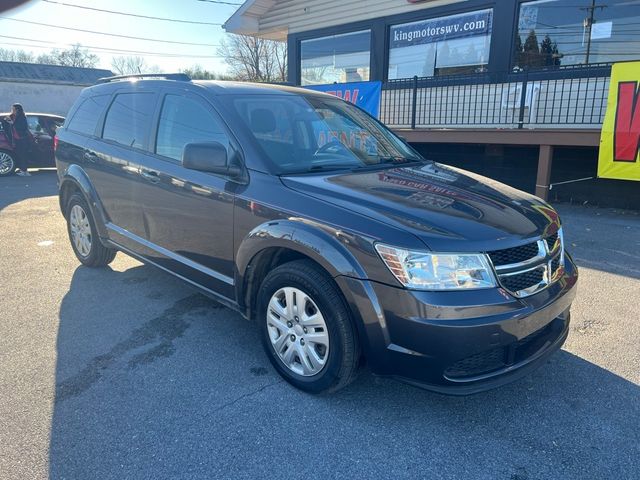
[(544, 171)]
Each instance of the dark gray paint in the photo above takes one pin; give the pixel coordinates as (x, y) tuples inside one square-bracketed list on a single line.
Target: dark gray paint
[(207, 229)]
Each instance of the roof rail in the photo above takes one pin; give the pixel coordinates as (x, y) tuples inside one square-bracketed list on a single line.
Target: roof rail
[(179, 77)]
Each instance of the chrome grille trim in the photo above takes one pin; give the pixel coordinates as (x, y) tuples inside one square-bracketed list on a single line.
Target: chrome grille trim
[(549, 259), (520, 266)]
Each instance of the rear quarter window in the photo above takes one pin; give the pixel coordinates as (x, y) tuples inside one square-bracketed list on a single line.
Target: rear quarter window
[(85, 119)]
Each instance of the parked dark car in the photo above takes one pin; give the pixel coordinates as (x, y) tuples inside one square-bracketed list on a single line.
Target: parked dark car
[(42, 127), (307, 215)]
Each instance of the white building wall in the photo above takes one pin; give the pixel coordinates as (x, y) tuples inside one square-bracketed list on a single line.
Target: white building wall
[(38, 97), (292, 16)]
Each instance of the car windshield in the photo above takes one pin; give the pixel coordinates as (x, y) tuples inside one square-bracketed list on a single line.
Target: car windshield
[(312, 133)]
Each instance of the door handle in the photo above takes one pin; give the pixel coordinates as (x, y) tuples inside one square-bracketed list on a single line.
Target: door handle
[(90, 157), (150, 176)]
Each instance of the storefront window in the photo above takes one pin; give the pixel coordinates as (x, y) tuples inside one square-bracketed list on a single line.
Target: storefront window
[(338, 58), (570, 32), (448, 45)]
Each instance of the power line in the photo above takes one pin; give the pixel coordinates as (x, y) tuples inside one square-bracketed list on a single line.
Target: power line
[(130, 14), (90, 47), (110, 34)]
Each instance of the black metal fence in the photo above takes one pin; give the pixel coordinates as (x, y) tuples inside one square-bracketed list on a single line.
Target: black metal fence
[(567, 97)]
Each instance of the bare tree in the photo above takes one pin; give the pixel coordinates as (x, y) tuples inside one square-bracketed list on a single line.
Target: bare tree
[(196, 72), (75, 56), (9, 55), (255, 59), (126, 65)]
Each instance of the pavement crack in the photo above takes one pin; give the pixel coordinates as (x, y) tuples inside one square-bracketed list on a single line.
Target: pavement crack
[(246, 395)]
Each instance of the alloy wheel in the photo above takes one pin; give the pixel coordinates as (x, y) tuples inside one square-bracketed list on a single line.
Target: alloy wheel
[(298, 331), (6, 163), (80, 230)]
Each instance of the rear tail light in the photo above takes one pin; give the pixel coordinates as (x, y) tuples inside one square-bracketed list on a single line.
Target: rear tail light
[(55, 143)]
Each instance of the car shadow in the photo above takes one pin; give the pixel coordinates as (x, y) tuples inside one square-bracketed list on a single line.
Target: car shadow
[(154, 380), (14, 189)]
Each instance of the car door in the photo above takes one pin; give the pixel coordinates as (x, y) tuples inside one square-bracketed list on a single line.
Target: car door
[(42, 141), (113, 162), (188, 214)]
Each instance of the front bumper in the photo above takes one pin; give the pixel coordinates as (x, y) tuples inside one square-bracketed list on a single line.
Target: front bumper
[(460, 342)]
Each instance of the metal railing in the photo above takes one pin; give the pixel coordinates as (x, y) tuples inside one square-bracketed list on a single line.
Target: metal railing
[(561, 97)]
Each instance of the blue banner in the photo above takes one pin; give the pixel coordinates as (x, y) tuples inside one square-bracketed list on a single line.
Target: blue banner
[(443, 28), (365, 95)]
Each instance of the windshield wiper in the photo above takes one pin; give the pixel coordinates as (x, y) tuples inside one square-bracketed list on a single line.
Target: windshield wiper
[(396, 160), (323, 168)]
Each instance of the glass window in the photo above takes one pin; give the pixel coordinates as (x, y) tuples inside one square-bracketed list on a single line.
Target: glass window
[(449, 45), (309, 133), (564, 32), (338, 58), (129, 118), (86, 117), (34, 124), (183, 121)]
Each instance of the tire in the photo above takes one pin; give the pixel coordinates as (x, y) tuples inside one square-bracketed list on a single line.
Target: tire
[(327, 367), (7, 163), (83, 234)]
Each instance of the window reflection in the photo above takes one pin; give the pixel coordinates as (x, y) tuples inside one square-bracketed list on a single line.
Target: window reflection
[(449, 45), (337, 58), (573, 32)]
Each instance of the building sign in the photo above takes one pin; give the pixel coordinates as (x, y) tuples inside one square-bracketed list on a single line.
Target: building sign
[(365, 95), (619, 156), (443, 28)]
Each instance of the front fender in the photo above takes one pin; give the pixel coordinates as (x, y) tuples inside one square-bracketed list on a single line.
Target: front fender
[(76, 176), (327, 246), (322, 243)]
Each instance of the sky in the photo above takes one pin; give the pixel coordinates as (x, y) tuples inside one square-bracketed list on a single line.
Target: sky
[(169, 57)]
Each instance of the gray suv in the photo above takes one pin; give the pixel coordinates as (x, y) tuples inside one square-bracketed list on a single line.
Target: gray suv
[(311, 218)]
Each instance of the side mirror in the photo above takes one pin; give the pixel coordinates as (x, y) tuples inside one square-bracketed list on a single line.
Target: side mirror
[(209, 157)]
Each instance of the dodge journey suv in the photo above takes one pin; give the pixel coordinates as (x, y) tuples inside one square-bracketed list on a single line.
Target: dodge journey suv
[(311, 218)]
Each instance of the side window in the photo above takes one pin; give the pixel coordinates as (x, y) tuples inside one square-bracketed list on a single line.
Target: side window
[(128, 120), (184, 120), (86, 117), (34, 124)]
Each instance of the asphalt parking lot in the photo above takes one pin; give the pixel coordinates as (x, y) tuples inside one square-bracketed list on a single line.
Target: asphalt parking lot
[(127, 372)]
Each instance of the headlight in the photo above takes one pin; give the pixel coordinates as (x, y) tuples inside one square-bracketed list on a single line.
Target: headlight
[(431, 271)]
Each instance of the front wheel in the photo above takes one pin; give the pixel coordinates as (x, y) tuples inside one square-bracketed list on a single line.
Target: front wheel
[(83, 235), (7, 163), (306, 328)]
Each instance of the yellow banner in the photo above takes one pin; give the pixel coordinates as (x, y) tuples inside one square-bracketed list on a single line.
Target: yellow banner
[(620, 140)]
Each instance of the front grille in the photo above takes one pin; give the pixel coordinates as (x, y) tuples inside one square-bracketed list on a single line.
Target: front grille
[(501, 357), (531, 265), (514, 255), (555, 264), (522, 281), (551, 241)]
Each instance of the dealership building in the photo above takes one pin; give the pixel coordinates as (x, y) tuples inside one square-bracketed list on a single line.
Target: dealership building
[(515, 90)]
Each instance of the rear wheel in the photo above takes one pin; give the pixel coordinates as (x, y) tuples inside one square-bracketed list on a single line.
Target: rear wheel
[(83, 235), (7, 163), (306, 328)]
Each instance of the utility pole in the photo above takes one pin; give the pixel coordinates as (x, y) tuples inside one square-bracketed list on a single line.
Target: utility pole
[(588, 24)]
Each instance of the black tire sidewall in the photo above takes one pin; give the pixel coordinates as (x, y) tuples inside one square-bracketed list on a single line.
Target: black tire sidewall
[(333, 314)]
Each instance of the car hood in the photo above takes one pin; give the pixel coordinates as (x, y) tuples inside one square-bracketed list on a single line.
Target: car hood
[(449, 209)]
